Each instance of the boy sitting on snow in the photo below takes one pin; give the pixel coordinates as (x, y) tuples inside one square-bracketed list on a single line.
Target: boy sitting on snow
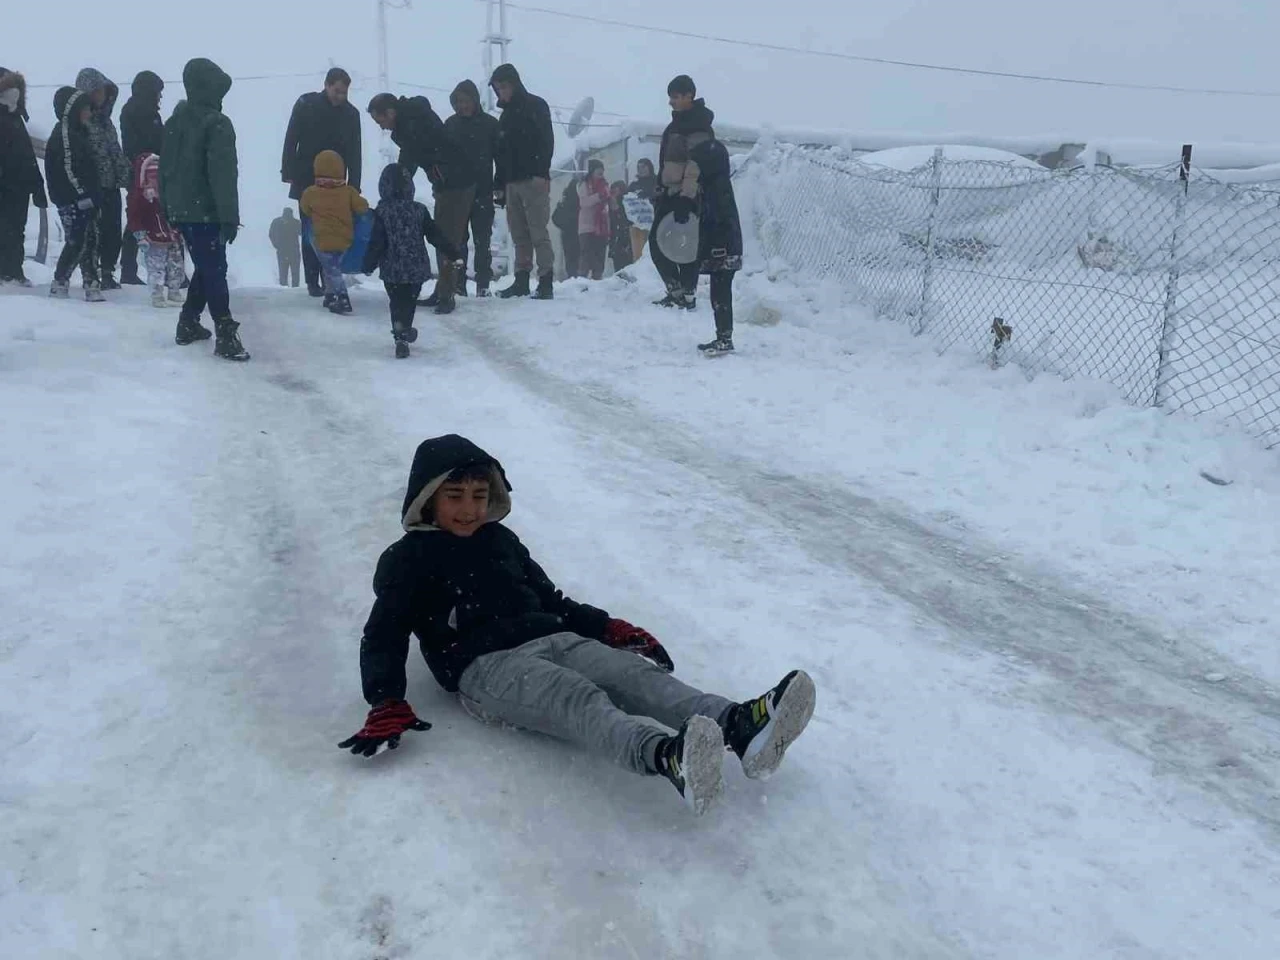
[(494, 628)]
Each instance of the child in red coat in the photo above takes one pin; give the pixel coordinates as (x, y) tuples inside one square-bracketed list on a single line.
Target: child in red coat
[(147, 222)]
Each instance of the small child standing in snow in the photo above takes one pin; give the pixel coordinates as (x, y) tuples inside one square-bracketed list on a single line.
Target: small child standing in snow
[(397, 249), (332, 205), (72, 177), (147, 223), (494, 628)]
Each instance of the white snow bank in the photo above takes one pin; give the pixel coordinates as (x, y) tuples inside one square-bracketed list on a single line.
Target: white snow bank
[(906, 159)]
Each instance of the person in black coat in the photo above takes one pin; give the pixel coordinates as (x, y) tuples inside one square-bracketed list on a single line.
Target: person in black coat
[(71, 172), (320, 121), (20, 180), (477, 133), (141, 132), (426, 144), (493, 627)]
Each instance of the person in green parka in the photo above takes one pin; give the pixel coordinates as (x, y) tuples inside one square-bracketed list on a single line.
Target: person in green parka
[(198, 187)]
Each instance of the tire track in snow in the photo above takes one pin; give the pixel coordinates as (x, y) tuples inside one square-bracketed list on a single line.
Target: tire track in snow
[(1149, 692)]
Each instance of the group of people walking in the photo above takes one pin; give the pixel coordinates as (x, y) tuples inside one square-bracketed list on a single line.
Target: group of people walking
[(181, 178)]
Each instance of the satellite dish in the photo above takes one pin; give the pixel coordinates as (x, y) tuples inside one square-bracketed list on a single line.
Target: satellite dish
[(581, 114)]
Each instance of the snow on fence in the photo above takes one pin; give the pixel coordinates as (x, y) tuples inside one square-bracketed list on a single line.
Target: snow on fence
[(1167, 286)]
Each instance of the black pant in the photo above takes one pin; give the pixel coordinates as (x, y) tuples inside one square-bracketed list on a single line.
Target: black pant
[(722, 303), (13, 225), (404, 302), (80, 230), (481, 231), (110, 232), (680, 278), (572, 253), (128, 256), (288, 264), (591, 251), (208, 285)]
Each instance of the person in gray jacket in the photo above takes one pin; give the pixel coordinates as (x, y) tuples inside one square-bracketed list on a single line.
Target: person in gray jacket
[(286, 237), (114, 171)]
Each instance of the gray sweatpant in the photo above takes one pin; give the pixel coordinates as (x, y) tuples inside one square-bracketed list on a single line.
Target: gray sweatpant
[(609, 701), (528, 216)]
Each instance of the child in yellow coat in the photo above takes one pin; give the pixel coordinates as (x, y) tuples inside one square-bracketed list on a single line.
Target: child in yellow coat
[(332, 206)]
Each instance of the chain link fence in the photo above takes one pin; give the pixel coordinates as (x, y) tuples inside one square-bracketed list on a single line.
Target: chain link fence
[(1166, 285)]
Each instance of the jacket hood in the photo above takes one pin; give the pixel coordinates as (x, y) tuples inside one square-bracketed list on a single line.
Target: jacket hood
[(328, 165), (434, 460), (90, 80), (66, 102), (287, 213), (507, 74), (395, 183), (12, 80), (147, 87), (205, 82), (465, 88)]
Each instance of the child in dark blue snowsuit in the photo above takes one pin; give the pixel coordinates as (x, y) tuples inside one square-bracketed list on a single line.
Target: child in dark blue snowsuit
[(398, 250)]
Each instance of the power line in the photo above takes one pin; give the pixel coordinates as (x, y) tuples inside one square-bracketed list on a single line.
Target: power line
[(887, 61), (553, 106)]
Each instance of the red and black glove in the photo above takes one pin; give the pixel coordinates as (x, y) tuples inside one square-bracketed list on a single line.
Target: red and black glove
[(625, 636), (382, 728)]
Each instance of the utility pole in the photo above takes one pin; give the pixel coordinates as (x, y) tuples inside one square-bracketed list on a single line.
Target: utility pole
[(500, 40), (384, 67)]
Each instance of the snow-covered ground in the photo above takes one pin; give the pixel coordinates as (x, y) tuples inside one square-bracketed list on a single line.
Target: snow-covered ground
[(1048, 722)]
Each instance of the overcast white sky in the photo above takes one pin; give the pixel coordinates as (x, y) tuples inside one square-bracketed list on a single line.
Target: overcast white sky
[(1230, 43)]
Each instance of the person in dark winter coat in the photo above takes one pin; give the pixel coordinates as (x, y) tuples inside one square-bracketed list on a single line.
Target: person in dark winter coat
[(619, 228), (114, 170), (565, 219), (494, 628), (644, 186), (141, 133), (286, 236), (20, 180), (321, 121), (477, 132), (522, 181), (694, 178), (426, 144), (71, 172), (402, 227), (199, 176)]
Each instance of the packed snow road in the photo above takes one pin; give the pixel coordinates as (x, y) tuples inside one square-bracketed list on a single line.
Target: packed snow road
[(1001, 765)]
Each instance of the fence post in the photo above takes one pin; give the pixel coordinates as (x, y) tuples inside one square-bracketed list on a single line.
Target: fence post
[(926, 286), (1169, 331)]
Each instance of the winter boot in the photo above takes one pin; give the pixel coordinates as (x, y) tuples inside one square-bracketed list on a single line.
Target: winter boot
[(403, 337), (109, 281), (340, 304), (430, 301), (59, 291), (461, 283), (228, 345), (20, 280), (159, 298), (760, 730), (717, 347), (129, 277), (482, 289), (402, 349), (327, 302), (693, 760), (93, 293), (518, 288), (190, 329), (678, 300), (446, 304), (177, 296), (546, 288), (315, 290)]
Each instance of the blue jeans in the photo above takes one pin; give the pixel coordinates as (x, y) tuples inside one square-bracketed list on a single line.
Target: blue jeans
[(331, 266), (209, 279)]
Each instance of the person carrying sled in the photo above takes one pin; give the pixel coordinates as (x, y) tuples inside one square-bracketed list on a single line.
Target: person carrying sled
[(398, 251), (494, 629), (332, 204)]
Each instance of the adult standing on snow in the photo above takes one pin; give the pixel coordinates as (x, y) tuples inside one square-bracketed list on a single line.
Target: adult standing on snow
[(694, 178), (114, 171), (477, 134), (20, 179), (523, 179), (286, 237), (198, 186), (425, 144), (320, 121), (141, 133)]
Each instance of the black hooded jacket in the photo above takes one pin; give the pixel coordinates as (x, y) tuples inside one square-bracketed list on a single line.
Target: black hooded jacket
[(526, 140), (141, 129), (316, 125), (478, 137), (19, 171), (426, 145), (462, 597), (400, 226), (70, 169)]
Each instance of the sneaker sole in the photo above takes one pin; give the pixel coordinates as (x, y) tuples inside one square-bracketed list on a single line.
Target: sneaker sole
[(791, 715), (702, 762)]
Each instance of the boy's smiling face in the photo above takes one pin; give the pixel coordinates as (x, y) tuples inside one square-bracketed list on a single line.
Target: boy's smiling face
[(461, 508)]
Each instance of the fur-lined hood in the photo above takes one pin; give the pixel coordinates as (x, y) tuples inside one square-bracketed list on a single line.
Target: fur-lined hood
[(12, 80)]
